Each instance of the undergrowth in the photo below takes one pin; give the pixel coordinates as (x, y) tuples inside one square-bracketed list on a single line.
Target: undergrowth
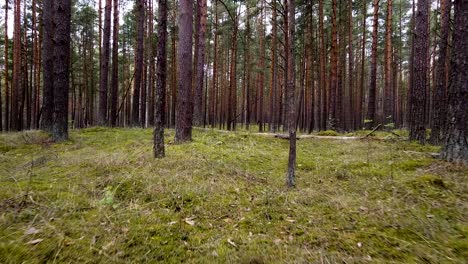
[(101, 197)]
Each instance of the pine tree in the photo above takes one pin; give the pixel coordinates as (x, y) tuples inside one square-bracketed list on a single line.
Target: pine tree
[(161, 75), (420, 68), (62, 10), (184, 112), (456, 144)]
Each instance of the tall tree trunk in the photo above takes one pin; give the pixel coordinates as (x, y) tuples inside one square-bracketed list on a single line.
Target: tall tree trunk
[(199, 73), (351, 96), (173, 65), (7, 79), (362, 81), (373, 74), (48, 65), (17, 91), (289, 29), (138, 63), (439, 109), (161, 69), (104, 65), (152, 49), (274, 65), (456, 145), (62, 10), (184, 112), (115, 65), (215, 68), (35, 66), (388, 71), (323, 87), (420, 67), (232, 99), (334, 69)]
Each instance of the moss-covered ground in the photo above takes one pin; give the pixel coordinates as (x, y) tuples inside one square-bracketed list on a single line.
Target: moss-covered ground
[(102, 198)]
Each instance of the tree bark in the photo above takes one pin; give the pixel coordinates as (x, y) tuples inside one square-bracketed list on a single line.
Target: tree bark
[(333, 69), (115, 65), (17, 92), (323, 87), (388, 71), (439, 109), (362, 81), (62, 10), (373, 74), (104, 65), (138, 63), (350, 109), (7, 79), (184, 112), (456, 144), (420, 67), (161, 73), (289, 27), (199, 73), (214, 84), (274, 76)]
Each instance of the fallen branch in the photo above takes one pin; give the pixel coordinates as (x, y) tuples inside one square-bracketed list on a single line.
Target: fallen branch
[(373, 130)]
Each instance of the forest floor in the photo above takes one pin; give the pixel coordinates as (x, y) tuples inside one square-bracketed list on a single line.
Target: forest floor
[(101, 197)]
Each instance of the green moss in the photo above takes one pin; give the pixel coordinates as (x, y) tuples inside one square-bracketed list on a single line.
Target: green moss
[(328, 133), (101, 197)]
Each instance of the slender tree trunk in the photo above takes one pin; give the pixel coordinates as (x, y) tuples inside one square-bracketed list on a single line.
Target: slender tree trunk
[(48, 65), (215, 69), (174, 66), (138, 63), (373, 74), (161, 70), (248, 70), (7, 79), (360, 96), (104, 65), (35, 66), (261, 86), (200, 62), (274, 77), (152, 50), (388, 71), (439, 109), (420, 67), (184, 112), (61, 68), (16, 95), (323, 87), (456, 144), (289, 28), (115, 65), (351, 108), (334, 70)]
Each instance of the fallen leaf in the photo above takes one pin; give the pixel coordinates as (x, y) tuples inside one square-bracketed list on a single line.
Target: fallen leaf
[(32, 231), (35, 241), (172, 223), (231, 243), (277, 241), (190, 221), (430, 216), (359, 244)]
